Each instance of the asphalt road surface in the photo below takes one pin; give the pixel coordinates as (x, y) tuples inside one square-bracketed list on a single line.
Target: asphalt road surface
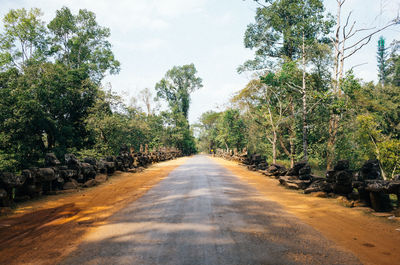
[(203, 214)]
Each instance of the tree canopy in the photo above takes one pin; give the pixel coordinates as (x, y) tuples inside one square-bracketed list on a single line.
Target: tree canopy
[(175, 89), (177, 85), (300, 103), (52, 99)]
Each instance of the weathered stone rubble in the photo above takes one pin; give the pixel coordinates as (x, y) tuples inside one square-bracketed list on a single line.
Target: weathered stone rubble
[(297, 177), (365, 185), (74, 173), (373, 189)]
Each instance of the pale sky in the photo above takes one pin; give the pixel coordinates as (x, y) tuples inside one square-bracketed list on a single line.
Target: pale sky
[(151, 36)]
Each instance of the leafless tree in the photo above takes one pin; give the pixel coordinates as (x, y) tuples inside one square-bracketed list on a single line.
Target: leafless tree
[(147, 98), (347, 41)]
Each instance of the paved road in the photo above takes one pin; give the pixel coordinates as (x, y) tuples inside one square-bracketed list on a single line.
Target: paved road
[(202, 214)]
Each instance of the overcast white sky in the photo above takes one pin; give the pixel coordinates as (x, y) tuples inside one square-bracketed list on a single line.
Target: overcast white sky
[(151, 36)]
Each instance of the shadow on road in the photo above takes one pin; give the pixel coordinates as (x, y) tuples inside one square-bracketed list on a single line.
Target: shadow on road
[(202, 214)]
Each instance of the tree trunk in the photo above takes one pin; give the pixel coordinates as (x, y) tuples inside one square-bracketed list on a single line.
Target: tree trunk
[(305, 136), (292, 136), (330, 155), (274, 140), (334, 119), (274, 135), (292, 151), (284, 147)]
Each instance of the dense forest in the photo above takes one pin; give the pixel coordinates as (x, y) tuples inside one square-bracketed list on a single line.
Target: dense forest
[(52, 98), (301, 103)]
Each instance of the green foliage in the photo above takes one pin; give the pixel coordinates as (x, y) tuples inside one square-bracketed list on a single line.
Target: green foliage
[(375, 144), (368, 135), (43, 109), (390, 156), (350, 85), (226, 130), (393, 65), (79, 42), (208, 131), (49, 79), (8, 162), (231, 130), (114, 125), (23, 40), (176, 87), (382, 57), (84, 153), (278, 29)]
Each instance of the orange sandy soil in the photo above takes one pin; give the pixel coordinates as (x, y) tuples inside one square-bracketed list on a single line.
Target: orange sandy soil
[(46, 230), (374, 240)]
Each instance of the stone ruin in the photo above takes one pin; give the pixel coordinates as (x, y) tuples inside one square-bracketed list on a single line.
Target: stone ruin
[(73, 173), (234, 155), (365, 186)]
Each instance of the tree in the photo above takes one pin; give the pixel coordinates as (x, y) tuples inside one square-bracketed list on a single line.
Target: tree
[(382, 57), (147, 98), (49, 83), (176, 87), (377, 145), (179, 132), (79, 42), (264, 103), (284, 31), (275, 40), (49, 103), (344, 34), (312, 27), (393, 65), (208, 131), (231, 130), (23, 39), (272, 35)]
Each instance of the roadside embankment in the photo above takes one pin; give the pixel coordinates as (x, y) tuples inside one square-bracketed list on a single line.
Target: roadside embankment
[(375, 240), (45, 230)]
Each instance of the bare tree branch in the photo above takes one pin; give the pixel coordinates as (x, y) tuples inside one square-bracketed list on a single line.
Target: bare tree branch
[(369, 36), (347, 23), (358, 48), (357, 65), (359, 30)]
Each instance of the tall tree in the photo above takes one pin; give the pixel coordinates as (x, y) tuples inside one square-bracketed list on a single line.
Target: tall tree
[(382, 57), (80, 42), (313, 30), (176, 87), (273, 35), (285, 30), (23, 39), (347, 41), (274, 38), (147, 98)]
